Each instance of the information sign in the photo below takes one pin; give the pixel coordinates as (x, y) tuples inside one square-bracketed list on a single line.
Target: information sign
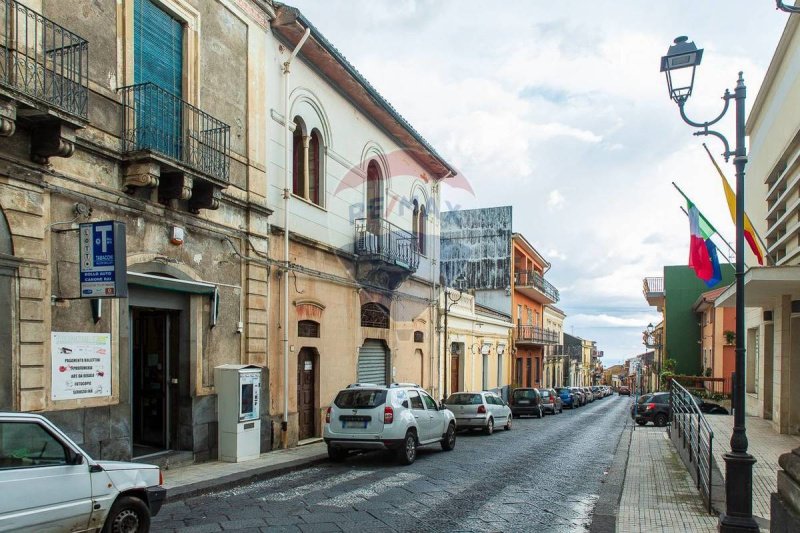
[(103, 260), (81, 365)]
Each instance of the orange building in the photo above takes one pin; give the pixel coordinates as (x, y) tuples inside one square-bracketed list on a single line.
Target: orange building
[(530, 292), (717, 350)]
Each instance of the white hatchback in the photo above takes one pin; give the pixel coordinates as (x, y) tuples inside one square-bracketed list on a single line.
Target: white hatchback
[(48, 483), (484, 410), (399, 417)]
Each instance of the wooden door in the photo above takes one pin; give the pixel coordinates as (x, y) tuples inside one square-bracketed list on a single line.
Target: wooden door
[(454, 373), (306, 385)]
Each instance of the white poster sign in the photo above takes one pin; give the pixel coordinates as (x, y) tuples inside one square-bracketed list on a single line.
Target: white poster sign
[(81, 365)]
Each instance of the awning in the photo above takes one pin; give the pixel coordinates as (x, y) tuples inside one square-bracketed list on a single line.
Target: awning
[(170, 284), (763, 286)]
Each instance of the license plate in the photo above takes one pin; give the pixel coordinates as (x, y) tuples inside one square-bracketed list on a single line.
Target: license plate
[(522, 402), (355, 424)]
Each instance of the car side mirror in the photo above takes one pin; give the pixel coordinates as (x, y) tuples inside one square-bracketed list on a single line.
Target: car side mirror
[(405, 404), (442, 406), (75, 458)]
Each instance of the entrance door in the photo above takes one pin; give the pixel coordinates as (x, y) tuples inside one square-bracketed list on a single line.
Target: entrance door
[(155, 335), (455, 371), (306, 385)]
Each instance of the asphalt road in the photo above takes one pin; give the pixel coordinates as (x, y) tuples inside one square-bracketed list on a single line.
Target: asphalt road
[(543, 475)]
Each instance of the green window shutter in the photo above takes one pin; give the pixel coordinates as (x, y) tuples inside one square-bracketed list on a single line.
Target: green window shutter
[(158, 47)]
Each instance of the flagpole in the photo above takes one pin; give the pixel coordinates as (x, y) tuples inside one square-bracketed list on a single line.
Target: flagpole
[(716, 233), (703, 216)]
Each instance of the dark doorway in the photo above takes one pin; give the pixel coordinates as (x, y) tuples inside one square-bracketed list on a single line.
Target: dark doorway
[(155, 369), (455, 371), (306, 395)]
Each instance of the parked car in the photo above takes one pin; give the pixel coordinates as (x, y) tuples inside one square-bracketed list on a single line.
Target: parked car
[(589, 395), (399, 417), (711, 408), (580, 396), (49, 483), (551, 402), (482, 410), (598, 392), (526, 401), (567, 397), (652, 408), (624, 390)]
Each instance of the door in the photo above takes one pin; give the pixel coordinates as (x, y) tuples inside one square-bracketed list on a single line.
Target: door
[(436, 417), (41, 489), (306, 397), (155, 388), (372, 362), (420, 415)]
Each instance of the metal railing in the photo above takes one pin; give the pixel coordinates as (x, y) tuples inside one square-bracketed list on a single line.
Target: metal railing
[(155, 120), (43, 60), (536, 334), (653, 285), (695, 433), (531, 278), (379, 237)]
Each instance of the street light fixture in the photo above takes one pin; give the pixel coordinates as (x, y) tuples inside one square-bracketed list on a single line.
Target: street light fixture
[(449, 301), (783, 7), (738, 515)]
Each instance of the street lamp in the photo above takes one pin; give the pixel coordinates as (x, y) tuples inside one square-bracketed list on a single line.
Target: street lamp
[(738, 515), (449, 302), (783, 7)]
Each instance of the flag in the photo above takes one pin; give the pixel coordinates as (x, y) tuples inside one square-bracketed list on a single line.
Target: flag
[(730, 197), (702, 251)]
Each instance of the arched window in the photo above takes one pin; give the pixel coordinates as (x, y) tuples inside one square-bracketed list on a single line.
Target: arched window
[(298, 159), (422, 229), (415, 220), (308, 328), (374, 315), (374, 192), (419, 336), (314, 168)]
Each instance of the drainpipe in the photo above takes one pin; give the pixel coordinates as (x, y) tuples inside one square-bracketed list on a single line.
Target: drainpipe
[(287, 192)]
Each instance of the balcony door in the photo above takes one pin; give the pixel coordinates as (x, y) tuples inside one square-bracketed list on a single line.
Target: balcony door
[(158, 60)]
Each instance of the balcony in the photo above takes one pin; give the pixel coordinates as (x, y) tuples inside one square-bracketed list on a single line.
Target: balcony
[(535, 335), (653, 289), (174, 146), (533, 285), (387, 254), (43, 81)]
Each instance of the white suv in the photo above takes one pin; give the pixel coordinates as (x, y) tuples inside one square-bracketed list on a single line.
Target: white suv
[(399, 417)]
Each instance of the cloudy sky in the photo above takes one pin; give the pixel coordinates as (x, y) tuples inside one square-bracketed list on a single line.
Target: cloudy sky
[(559, 109)]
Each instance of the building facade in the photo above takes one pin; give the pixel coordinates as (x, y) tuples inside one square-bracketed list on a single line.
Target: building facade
[(556, 362), (717, 340)]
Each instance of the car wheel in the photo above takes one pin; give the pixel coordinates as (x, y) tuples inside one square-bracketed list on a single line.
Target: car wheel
[(337, 455), (642, 422), (408, 451), (508, 425), (541, 413), (449, 440), (489, 429), (562, 409), (660, 420), (128, 515)]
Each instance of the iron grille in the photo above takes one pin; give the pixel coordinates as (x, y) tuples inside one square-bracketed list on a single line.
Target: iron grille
[(537, 335), (43, 60), (531, 278), (308, 328), (380, 238), (374, 316), (155, 120), (419, 336)]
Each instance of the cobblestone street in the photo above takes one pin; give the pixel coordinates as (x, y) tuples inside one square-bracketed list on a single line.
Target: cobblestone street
[(543, 475)]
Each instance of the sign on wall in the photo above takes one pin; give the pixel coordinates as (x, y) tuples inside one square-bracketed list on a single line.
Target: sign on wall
[(81, 365), (103, 263)]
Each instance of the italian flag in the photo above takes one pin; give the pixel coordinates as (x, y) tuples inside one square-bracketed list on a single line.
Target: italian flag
[(702, 251)]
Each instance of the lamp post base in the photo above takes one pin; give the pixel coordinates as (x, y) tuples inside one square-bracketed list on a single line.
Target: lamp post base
[(738, 516)]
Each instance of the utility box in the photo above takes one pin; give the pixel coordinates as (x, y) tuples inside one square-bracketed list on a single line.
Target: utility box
[(238, 406)]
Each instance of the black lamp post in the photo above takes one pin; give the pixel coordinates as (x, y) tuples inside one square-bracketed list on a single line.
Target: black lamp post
[(783, 7), (449, 301), (681, 56)]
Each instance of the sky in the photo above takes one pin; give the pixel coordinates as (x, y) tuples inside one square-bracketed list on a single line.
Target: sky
[(559, 109)]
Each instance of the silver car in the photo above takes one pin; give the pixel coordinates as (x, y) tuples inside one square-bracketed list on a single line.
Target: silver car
[(482, 410)]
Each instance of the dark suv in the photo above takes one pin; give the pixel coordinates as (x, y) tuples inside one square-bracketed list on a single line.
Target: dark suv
[(526, 401), (652, 408)]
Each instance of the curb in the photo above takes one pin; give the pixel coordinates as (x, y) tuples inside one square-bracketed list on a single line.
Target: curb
[(604, 516), (199, 488)]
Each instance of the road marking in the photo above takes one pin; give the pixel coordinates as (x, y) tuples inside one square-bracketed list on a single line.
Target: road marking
[(370, 491), (269, 483), (302, 490)]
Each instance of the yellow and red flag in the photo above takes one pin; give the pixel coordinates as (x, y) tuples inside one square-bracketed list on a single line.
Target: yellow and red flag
[(730, 197)]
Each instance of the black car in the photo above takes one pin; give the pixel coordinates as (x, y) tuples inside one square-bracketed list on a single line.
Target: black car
[(526, 401), (652, 408)]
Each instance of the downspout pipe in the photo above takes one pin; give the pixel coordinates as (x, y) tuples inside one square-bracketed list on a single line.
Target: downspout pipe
[(287, 193)]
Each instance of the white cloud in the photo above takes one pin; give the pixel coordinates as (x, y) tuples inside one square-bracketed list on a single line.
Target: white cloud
[(555, 200), (552, 253)]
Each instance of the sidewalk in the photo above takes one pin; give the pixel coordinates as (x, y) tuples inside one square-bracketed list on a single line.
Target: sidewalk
[(658, 494), (193, 479), (766, 445)]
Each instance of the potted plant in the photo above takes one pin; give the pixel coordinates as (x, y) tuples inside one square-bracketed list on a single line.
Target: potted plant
[(730, 336), (709, 372)]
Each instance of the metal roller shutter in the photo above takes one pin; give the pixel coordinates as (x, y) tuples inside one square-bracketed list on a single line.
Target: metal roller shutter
[(372, 363)]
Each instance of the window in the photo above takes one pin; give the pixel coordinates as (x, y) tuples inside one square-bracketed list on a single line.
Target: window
[(25, 445), (298, 160), (306, 163), (529, 311), (519, 313), (360, 398), (421, 229), (374, 315), (374, 192), (416, 401), (308, 328), (419, 336), (429, 402), (415, 220), (314, 168)]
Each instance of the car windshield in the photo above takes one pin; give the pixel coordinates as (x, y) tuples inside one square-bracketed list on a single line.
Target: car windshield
[(524, 394), (464, 399), (645, 398), (360, 398), (562, 391)]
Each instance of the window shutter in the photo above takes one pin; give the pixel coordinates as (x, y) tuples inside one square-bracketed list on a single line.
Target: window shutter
[(158, 47)]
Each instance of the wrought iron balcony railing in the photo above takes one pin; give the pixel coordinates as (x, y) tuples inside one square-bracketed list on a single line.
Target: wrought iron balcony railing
[(653, 286), (379, 238), (157, 121), (43, 60), (536, 335), (531, 278)]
